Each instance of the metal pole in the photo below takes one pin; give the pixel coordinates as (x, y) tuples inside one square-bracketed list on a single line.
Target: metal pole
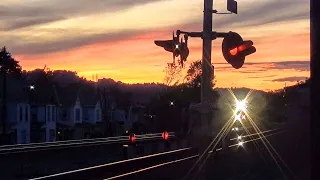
[(207, 68), (206, 83), (314, 78)]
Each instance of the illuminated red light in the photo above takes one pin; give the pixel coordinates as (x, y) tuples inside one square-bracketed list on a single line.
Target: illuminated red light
[(243, 47), (165, 135), (240, 48), (132, 138), (234, 51)]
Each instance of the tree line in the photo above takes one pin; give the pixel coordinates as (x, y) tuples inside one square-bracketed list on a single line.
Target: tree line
[(177, 89)]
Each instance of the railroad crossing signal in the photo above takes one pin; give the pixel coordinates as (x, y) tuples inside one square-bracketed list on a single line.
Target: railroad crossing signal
[(234, 49), (132, 137), (165, 135), (175, 47)]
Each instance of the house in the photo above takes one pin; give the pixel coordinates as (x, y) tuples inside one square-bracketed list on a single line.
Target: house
[(80, 112), (17, 123), (44, 104), (69, 112), (141, 121), (91, 111), (119, 123), (111, 114)]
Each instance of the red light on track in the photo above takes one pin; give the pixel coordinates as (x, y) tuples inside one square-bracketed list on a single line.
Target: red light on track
[(165, 135), (132, 138)]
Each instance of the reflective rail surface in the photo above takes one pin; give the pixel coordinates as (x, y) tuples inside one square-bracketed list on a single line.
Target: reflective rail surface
[(77, 143), (120, 168)]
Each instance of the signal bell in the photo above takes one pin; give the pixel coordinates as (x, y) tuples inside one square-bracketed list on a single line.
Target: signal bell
[(234, 49), (175, 47)]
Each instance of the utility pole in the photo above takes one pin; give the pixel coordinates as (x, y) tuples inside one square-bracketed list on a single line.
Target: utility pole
[(314, 78), (234, 50), (207, 68)]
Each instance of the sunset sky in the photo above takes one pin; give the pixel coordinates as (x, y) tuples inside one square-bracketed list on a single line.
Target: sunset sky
[(115, 38)]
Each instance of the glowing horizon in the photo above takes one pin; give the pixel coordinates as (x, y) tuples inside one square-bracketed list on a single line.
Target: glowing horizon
[(115, 39)]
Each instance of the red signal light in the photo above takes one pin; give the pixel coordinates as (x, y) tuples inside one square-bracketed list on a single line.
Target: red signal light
[(234, 51), (165, 135), (132, 138), (246, 45)]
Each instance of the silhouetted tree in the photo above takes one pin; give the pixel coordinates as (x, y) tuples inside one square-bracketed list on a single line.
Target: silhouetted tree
[(169, 116), (8, 65), (193, 77), (65, 77), (173, 74)]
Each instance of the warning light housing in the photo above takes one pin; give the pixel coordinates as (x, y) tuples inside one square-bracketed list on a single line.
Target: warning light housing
[(234, 49), (175, 47)]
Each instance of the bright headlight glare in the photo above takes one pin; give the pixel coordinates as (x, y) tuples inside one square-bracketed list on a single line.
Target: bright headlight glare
[(238, 117), (241, 105)]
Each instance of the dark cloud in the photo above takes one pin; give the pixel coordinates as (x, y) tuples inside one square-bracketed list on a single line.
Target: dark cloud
[(297, 65), (67, 44), (18, 47), (264, 76), (290, 79), (21, 23), (252, 71), (259, 67), (223, 68), (268, 12), (24, 15)]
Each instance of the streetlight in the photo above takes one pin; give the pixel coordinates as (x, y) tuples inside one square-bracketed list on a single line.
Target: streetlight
[(31, 87)]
